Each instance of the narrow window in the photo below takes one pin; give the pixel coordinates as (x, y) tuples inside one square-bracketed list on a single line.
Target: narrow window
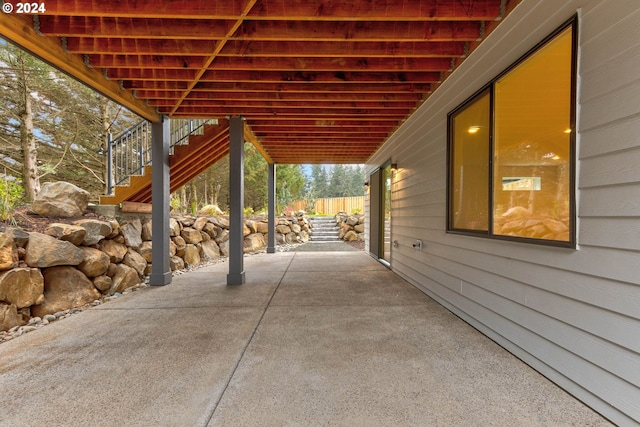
[(470, 165)]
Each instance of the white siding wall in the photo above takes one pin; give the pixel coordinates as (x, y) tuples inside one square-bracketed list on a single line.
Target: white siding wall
[(574, 315)]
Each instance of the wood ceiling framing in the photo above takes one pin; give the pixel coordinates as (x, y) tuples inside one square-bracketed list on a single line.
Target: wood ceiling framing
[(318, 81)]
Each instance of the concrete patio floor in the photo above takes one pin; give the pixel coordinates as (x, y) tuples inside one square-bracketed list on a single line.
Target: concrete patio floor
[(330, 338)]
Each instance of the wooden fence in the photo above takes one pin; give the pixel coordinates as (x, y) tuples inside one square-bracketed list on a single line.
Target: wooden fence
[(331, 206)]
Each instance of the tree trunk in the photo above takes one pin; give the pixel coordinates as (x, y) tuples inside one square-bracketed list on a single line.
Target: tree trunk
[(183, 197), (216, 194), (30, 178)]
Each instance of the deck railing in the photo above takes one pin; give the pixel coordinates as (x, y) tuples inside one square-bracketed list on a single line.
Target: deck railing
[(130, 152)]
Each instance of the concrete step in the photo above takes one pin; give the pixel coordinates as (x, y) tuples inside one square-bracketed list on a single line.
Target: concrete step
[(323, 229)]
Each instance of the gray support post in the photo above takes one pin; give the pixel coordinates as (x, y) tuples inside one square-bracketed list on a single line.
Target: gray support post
[(271, 199), (160, 268), (236, 201)]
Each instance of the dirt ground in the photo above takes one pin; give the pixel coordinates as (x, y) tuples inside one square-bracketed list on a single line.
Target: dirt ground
[(27, 220)]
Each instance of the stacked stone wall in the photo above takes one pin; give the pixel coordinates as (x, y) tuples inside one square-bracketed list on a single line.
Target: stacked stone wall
[(351, 227), (71, 265)]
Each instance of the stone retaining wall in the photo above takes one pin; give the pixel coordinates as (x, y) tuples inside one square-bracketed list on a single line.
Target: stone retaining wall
[(351, 227), (68, 266)]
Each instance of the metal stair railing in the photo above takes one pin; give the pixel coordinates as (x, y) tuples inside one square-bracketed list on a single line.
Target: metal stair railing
[(130, 152)]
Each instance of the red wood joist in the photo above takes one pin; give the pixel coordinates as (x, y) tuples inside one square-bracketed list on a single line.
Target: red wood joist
[(131, 28), (384, 49), (284, 97), (336, 105), (320, 77), (387, 114), (289, 87), (401, 10), (141, 46), (362, 31), (182, 29)]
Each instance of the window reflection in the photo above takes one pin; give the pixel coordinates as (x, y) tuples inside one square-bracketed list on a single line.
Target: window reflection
[(470, 166), (531, 140)]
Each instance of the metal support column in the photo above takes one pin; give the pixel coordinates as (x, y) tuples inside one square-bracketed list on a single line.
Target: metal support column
[(236, 201), (160, 268), (271, 199)]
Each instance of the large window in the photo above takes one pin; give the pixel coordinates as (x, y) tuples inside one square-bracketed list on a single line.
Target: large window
[(511, 166)]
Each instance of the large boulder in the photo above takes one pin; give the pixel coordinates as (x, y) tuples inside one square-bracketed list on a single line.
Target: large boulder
[(19, 236), (200, 222), (253, 243), (116, 251), (283, 229), (8, 253), (95, 262), (9, 317), (136, 261), (192, 255), (210, 229), (222, 235), (352, 220), (60, 199), (220, 221), (64, 288), (96, 230), (262, 227), (209, 251), (102, 283), (253, 228), (22, 287), (224, 248), (146, 250), (125, 278), (191, 235), (132, 233), (45, 251), (174, 227), (66, 232), (351, 236), (176, 263), (180, 245), (147, 231)]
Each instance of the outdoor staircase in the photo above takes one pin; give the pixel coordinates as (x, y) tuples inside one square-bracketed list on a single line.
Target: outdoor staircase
[(324, 229), (195, 146)]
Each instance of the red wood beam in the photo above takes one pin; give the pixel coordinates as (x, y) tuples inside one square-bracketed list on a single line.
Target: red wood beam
[(121, 27), (350, 105), (294, 87), (346, 48), (141, 46), (404, 10), (367, 31), (146, 61), (212, 29), (332, 64), (389, 113)]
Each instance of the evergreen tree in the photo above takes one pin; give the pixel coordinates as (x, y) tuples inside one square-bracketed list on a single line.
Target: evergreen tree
[(51, 126)]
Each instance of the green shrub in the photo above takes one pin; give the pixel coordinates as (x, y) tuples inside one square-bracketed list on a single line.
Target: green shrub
[(10, 195)]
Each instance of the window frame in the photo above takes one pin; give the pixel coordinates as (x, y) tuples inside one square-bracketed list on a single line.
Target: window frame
[(490, 87)]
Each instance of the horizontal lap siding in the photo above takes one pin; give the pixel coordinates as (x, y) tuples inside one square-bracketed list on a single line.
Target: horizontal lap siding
[(572, 314)]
